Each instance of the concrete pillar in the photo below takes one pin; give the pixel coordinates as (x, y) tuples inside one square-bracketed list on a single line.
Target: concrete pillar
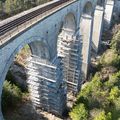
[(108, 14), (97, 28), (86, 34)]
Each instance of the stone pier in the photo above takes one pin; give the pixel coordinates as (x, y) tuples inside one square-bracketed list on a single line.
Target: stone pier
[(108, 14), (86, 36), (97, 28)]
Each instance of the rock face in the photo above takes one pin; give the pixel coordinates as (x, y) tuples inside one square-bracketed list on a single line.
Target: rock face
[(19, 75)]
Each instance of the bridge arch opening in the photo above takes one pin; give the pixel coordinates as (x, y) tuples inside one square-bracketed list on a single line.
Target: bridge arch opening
[(36, 48), (69, 22), (101, 3), (88, 8), (66, 33)]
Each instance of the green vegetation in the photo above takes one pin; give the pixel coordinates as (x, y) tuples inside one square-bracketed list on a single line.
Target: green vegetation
[(103, 116), (79, 112), (110, 58), (115, 44), (99, 99), (11, 7), (11, 96), (13, 93), (23, 54)]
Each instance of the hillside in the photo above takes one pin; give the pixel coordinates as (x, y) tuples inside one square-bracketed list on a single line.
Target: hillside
[(99, 99)]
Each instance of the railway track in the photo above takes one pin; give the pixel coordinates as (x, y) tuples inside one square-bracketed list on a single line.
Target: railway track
[(21, 20)]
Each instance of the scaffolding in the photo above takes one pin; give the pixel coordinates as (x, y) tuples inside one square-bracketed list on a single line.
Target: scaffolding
[(69, 51), (46, 85)]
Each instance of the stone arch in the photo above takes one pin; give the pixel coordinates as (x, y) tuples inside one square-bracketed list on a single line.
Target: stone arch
[(68, 25), (68, 29), (35, 40), (88, 8)]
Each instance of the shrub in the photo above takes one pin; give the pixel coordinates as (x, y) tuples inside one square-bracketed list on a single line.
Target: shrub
[(114, 80), (11, 95), (114, 93), (79, 112), (91, 95), (116, 109), (115, 44), (110, 58), (103, 96), (103, 116)]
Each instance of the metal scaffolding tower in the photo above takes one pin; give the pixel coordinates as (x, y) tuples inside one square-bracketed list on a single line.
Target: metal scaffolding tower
[(46, 85), (69, 51)]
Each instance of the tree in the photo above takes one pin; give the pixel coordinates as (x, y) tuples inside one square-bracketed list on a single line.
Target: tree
[(115, 44), (79, 113), (103, 116), (114, 93)]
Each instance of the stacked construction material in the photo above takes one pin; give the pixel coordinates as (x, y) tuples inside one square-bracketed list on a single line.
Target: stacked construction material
[(69, 49), (46, 85)]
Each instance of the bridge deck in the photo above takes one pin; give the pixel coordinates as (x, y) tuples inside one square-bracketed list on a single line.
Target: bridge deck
[(13, 27)]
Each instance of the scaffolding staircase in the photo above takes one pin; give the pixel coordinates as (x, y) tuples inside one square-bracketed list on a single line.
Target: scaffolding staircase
[(46, 85)]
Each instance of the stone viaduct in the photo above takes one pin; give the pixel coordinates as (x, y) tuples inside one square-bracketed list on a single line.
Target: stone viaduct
[(61, 39)]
